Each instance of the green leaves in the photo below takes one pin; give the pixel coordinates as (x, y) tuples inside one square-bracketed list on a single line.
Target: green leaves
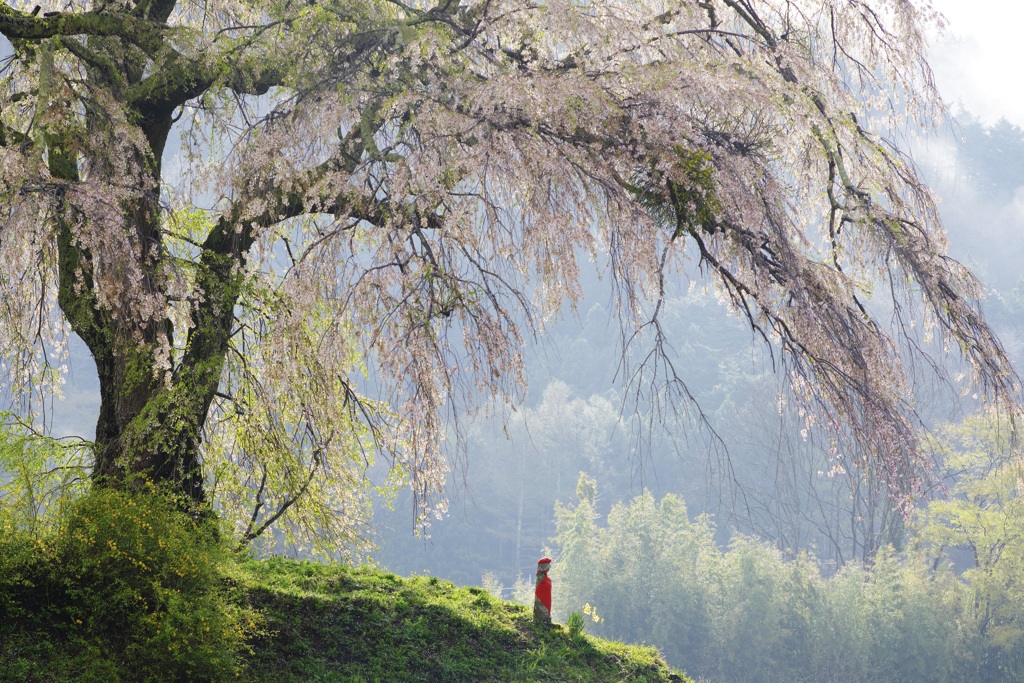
[(37, 474), (681, 192), (123, 587), (983, 515)]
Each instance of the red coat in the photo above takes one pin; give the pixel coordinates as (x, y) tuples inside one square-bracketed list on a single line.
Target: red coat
[(543, 592)]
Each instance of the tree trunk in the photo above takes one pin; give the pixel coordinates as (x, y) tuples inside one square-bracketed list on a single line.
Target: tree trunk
[(151, 417)]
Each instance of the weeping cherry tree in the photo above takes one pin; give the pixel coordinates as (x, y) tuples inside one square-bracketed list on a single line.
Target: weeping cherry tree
[(298, 236)]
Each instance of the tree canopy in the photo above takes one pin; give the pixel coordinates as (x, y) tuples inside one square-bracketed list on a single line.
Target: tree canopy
[(296, 234)]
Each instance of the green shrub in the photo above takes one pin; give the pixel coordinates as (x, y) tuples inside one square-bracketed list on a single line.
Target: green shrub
[(128, 587)]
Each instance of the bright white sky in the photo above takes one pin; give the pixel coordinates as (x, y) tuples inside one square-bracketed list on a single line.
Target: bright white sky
[(979, 61)]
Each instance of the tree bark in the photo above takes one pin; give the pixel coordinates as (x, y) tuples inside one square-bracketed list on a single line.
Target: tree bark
[(151, 418)]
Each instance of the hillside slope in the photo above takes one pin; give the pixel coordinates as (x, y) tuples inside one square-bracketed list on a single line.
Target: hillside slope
[(333, 623)]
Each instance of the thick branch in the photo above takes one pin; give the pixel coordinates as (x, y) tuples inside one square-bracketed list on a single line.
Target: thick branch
[(17, 25), (180, 79)]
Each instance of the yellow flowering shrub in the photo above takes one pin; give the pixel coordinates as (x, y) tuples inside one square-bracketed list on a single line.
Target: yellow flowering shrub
[(127, 586)]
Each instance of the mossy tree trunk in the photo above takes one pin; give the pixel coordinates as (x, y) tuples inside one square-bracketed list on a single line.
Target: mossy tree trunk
[(151, 413)]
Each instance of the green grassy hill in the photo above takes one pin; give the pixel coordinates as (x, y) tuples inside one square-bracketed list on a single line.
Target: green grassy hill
[(333, 623), (128, 588)]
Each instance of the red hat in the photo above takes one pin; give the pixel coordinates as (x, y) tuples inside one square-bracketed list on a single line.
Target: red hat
[(544, 560)]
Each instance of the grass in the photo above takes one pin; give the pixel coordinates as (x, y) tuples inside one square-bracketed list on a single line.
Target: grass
[(131, 589), (334, 623)]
